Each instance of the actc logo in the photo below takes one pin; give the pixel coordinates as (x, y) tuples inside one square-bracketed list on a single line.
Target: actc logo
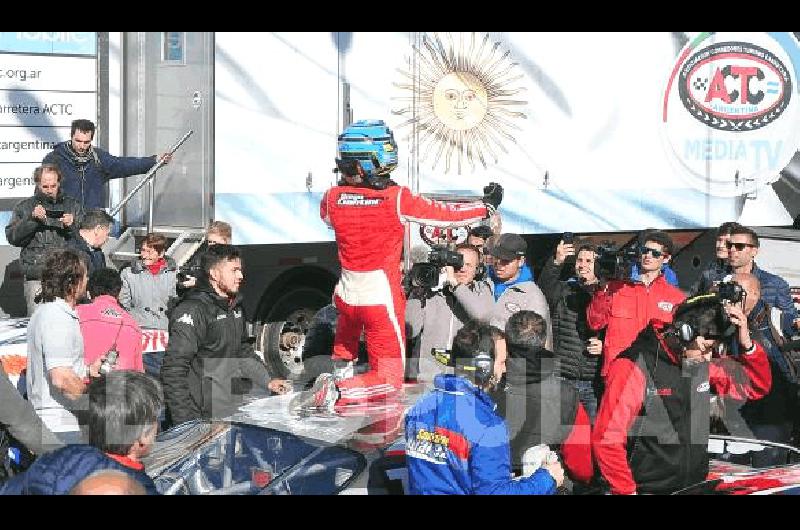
[(734, 86)]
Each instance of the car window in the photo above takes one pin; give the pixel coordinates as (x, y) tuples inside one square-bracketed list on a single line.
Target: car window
[(223, 458)]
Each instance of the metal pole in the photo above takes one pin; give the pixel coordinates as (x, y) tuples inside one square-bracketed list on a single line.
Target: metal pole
[(147, 178), (150, 206)]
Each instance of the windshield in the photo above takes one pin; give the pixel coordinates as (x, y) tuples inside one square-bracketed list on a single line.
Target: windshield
[(230, 458)]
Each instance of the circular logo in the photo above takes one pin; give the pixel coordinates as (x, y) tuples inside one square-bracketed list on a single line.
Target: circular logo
[(434, 235), (734, 86), (730, 113)]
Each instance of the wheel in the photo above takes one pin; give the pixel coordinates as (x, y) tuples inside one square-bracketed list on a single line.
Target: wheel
[(282, 344), (285, 325)]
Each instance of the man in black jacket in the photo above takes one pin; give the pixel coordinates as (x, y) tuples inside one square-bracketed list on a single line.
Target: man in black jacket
[(47, 220), (209, 367), (538, 407), (577, 347)]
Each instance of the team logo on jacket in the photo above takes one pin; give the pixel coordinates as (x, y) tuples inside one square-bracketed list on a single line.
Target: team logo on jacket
[(237, 313), (186, 318), (512, 307), (665, 306), (221, 316), (357, 199), (110, 312), (705, 386)]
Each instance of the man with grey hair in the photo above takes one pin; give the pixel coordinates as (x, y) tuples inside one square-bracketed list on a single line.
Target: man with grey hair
[(122, 421)]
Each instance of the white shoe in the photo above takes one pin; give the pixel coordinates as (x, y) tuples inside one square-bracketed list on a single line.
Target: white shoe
[(322, 395)]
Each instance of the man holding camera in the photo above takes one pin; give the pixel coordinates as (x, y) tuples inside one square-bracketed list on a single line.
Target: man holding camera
[(576, 347), (770, 418), (39, 223), (436, 316), (651, 433), (624, 307)]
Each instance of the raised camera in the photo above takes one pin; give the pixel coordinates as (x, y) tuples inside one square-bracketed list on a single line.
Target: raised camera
[(731, 291), (615, 262)]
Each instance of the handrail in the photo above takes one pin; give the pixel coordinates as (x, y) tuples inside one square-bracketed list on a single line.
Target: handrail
[(150, 174)]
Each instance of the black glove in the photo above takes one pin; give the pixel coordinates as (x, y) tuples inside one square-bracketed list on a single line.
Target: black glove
[(493, 194)]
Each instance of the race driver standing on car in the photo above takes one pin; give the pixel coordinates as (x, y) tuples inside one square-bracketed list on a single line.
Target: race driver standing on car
[(368, 212)]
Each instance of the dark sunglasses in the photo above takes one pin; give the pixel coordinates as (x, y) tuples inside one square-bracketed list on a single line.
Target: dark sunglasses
[(655, 253), (739, 246)]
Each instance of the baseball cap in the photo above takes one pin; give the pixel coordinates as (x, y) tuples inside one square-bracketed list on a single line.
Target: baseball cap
[(507, 246)]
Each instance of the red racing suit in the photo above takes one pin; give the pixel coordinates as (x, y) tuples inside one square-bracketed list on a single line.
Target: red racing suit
[(651, 431), (369, 225), (626, 308)]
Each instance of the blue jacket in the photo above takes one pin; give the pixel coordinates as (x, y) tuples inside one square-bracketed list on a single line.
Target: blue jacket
[(457, 444), (58, 472), (88, 186), (525, 275), (775, 292), (666, 270)]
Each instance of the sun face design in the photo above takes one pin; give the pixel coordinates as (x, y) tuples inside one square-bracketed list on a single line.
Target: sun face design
[(461, 100)]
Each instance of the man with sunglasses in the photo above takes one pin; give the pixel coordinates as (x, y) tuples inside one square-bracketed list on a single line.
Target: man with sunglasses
[(718, 268), (625, 307), (742, 250)]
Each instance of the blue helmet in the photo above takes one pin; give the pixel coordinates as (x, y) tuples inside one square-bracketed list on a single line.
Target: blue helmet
[(372, 144)]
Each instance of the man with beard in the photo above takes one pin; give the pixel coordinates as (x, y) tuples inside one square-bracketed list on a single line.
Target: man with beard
[(209, 367), (86, 169), (45, 221)]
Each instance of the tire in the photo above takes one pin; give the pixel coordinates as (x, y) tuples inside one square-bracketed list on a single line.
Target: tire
[(282, 336)]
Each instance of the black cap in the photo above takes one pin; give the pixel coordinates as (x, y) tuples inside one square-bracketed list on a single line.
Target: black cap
[(507, 246)]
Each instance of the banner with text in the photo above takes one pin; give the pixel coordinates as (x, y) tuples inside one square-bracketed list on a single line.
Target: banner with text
[(47, 80)]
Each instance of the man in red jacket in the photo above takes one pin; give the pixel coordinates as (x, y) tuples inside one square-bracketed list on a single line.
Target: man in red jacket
[(625, 307), (651, 432), (368, 212)]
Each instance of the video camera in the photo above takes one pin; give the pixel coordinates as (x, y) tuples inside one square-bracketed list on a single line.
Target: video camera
[(615, 263), (428, 275), (187, 271), (732, 292)]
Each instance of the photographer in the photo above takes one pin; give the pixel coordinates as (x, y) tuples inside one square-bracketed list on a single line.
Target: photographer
[(577, 348), (624, 307), (651, 432), (434, 317), (771, 417), (39, 223)]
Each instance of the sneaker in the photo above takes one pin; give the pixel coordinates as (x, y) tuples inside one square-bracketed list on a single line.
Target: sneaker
[(322, 395)]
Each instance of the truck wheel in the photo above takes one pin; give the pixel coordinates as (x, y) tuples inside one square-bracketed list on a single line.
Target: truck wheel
[(282, 344)]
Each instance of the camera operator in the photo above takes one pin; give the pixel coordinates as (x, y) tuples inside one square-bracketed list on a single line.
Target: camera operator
[(39, 223), (577, 348), (434, 317), (651, 432), (623, 307), (718, 268), (771, 417)]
